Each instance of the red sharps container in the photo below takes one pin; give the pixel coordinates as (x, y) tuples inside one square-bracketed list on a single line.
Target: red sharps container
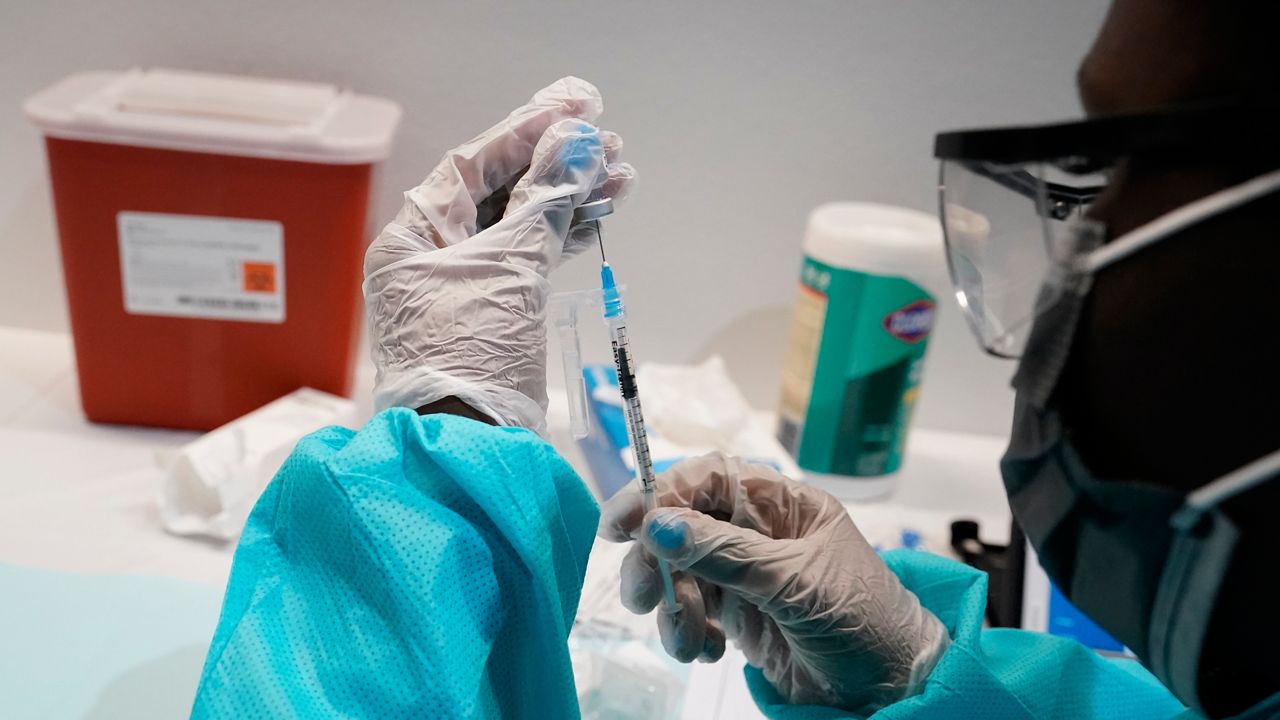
[(212, 229)]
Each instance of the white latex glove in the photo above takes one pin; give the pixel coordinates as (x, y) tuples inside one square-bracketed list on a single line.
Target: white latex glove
[(458, 311), (779, 568)]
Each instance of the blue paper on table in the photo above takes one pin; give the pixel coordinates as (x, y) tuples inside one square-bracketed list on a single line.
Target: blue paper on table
[(95, 646), (422, 567), (607, 449), (604, 447), (1065, 620)]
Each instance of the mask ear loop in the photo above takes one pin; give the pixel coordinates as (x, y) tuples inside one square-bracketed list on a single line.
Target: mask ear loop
[(1233, 483), (1179, 219), (1198, 561)]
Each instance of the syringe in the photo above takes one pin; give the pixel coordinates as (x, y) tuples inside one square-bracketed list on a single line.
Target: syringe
[(615, 318)]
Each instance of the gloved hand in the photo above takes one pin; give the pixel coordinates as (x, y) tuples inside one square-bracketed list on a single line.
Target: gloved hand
[(457, 310), (779, 568)]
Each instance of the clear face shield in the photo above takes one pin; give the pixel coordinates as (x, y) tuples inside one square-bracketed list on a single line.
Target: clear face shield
[(1005, 224), (1012, 199)]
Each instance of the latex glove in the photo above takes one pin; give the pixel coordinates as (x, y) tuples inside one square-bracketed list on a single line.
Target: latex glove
[(780, 568), (456, 310)]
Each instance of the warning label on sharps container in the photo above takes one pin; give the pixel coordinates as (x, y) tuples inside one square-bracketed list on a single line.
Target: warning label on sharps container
[(202, 267)]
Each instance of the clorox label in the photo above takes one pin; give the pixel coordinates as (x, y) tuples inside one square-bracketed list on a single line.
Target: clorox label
[(910, 323), (852, 371)]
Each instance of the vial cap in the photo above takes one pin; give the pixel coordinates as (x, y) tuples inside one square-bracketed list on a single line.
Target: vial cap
[(593, 210)]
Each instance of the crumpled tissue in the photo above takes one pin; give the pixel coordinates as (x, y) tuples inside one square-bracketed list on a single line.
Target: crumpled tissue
[(210, 484), (697, 409)]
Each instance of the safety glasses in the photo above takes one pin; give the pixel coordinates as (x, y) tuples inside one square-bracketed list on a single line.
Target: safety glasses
[(1008, 199)]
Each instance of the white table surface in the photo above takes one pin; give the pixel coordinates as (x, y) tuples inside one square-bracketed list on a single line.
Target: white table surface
[(80, 497)]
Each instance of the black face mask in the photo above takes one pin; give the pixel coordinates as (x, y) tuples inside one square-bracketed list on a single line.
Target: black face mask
[(1145, 561)]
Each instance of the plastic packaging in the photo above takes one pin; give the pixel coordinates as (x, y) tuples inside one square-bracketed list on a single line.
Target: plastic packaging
[(619, 667), (623, 680), (856, 348), (563, 311)]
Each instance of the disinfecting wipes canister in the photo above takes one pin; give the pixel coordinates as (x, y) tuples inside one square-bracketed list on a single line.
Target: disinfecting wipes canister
[(856, 348)]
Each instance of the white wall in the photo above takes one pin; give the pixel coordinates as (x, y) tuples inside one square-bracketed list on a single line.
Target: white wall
[(740, 116)]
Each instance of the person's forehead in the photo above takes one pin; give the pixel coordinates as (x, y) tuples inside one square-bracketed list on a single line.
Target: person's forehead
[(1154, 53), (1087, 88)]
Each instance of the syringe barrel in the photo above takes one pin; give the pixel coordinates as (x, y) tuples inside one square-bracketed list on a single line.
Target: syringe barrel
[(626, 367), (616, 319)]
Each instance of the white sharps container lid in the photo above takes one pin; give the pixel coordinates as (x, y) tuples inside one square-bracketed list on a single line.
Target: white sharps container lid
[(221, 114)]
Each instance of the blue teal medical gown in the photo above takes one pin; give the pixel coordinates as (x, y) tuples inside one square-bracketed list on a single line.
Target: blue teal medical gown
[(424, 567), (1003, 674), (430, 567)]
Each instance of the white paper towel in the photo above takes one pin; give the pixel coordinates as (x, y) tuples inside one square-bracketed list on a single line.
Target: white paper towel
[(210, 485), (697, 409)]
